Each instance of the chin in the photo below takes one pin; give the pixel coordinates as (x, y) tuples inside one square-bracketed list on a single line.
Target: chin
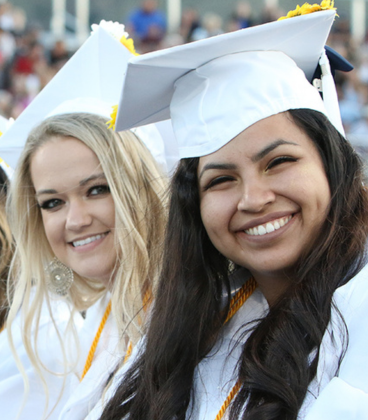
[(97, 276)]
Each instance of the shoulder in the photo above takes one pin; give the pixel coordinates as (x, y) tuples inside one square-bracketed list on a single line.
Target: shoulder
[(340, 400), (353, 296), (51, 331), (352, 301)]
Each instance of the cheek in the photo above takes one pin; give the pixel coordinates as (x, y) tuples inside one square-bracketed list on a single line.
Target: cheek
[(319, 189), (52, 230), (106, 211), (315, 198), (216, 215)]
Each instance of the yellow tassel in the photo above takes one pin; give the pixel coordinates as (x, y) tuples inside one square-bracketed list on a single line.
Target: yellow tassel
[(310, 8), (129, 44), (113, 115)]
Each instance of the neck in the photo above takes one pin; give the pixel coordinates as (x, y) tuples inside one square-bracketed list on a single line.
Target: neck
[(272, 286)]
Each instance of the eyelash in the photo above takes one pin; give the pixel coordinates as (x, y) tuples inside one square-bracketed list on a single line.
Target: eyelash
[(279, 160), (53, 203), (217, 181), (47, 205), (104, 187), (275, 162)]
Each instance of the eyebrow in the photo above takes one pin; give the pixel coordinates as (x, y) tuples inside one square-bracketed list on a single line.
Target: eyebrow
[(82, 183), (264, 152), (220, 166), (92, 178), (256, 158)]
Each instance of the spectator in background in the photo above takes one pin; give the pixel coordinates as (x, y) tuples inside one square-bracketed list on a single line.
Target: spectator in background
[(212, 25), (59, 55), (241, 17), (189, 23), (6, 16), (147, 25), (270, 13), (7, 45), (6, 103)]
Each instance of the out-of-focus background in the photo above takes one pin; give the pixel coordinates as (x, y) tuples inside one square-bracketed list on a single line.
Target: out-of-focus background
[(37, 37)]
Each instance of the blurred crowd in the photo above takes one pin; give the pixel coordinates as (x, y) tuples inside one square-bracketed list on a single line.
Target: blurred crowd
[(27, 63)]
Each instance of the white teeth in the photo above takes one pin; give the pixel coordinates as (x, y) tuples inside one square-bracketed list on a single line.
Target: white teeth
[(262, 230), (269, 227), (88, 240)]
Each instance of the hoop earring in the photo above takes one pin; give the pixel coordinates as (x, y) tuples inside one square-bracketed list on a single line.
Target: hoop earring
[(59, 277)]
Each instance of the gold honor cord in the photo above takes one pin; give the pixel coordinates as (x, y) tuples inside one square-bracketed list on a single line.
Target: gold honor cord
[(93, 348), (236, 303), (146, 302)]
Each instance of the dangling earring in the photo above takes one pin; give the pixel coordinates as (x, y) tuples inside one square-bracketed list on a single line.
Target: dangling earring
[(59, 277)]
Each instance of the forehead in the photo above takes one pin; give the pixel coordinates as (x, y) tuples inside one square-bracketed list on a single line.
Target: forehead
[(62, 162)]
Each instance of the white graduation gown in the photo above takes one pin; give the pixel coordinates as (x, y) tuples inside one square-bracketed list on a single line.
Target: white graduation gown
[(11, 381), (85, 394), (329, 397)]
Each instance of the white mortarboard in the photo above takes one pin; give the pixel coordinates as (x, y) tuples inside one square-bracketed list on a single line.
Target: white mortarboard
[(90, 81), (215, 88), (5, 124)]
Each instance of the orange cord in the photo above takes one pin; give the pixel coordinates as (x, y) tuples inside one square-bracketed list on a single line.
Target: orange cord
[(93, 348), (228, 400), (241, 296), (147, 298), (236, 303), (128, 352), (3, 327)]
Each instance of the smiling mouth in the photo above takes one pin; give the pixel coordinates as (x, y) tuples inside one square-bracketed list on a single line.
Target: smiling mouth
[(268, 227), (88, 240)]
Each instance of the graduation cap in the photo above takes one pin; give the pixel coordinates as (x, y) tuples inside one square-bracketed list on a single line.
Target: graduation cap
[(5, 124), (337, 63), (90, 81), (215, 88)]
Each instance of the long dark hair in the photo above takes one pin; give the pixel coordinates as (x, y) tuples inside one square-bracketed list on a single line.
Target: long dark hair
[(6, 248), (280, 357)]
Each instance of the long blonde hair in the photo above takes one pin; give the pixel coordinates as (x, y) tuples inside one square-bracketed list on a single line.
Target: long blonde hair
[(137, 187)]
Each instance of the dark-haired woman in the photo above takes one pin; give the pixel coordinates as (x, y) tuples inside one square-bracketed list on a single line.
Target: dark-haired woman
[(262, 308)]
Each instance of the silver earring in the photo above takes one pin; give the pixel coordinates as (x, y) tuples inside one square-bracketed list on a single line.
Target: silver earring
[(59, 277)]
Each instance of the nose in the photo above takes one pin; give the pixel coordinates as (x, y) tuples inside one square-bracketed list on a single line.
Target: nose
[(255, 195), (78, 215)]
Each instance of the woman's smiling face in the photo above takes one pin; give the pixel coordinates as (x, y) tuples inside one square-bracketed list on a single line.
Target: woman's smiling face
[(264, 196), (77, 209)]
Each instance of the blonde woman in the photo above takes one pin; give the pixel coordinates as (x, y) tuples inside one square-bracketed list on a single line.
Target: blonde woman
[(87, 204)]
